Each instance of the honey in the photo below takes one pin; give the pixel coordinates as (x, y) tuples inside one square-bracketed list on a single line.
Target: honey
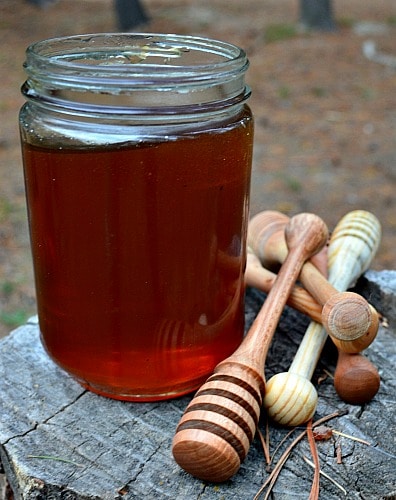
[(138, 245)]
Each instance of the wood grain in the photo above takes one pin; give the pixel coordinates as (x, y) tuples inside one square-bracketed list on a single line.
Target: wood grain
[(120, 450), (240, 378), (347, 316), (291, 398), (263, 279)]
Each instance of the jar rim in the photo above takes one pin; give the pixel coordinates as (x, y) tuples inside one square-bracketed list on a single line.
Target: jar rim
[(134, 60)]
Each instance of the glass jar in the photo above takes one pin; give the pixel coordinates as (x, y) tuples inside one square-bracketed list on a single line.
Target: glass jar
[(137, 155)]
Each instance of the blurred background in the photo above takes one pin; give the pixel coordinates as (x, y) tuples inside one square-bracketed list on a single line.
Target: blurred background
[(324, 100)]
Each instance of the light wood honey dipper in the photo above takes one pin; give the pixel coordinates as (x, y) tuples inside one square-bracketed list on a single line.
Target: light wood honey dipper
[(215, 432), (348, 318), (291, 398)]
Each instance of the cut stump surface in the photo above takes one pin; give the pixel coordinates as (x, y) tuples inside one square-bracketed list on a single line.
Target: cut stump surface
[(60, 441)]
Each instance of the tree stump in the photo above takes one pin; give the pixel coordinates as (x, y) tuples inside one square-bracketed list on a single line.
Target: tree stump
[(60, 441)]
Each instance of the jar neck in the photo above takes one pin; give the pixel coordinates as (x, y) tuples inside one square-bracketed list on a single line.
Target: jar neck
[(136, 75), (128, 106)]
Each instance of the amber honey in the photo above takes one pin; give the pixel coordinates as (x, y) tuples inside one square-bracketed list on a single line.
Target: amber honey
[(135, 294), (138, 245)]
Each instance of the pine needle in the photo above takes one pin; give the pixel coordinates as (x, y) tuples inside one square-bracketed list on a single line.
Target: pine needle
[(314, 494), (278, 467), (280, 444), (264, 444), (271, 480), (359, 440), (267, 440), (326, 476), (329, 374), (57, 459)]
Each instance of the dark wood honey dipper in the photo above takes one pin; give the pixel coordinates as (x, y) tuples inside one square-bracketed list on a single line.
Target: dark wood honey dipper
[(348, 318), (215, 432), (290, 397)]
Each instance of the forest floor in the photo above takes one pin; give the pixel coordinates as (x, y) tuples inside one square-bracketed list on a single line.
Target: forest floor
[(325, 114)]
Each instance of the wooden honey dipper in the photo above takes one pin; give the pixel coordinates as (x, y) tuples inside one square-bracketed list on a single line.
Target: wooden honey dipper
[(356, 379), (291, 398), (353, 244), (348, 318), (215, 432), (257, 276)]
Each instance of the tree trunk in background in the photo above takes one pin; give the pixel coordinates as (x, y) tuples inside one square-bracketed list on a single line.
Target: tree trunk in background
[(130, 13), (317, 14)]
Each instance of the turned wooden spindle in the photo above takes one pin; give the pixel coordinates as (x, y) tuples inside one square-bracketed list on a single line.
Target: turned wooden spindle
[(215, 432), (291, 398), (354, 243), (257, 276), (356, 379), (348, 318)]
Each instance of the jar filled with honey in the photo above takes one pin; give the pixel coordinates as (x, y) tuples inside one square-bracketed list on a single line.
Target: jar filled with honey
[(137, 154)]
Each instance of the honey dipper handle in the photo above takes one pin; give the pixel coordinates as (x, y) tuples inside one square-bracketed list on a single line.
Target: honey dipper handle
[(353, 244), (317, 285), (309, 351), (263, 279), (305, 235), (352, 248)]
